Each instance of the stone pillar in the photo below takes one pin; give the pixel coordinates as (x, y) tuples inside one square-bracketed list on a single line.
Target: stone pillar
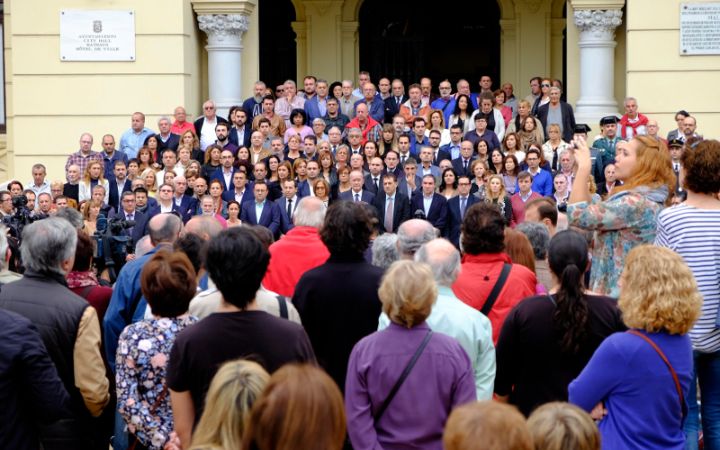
[(597, 60), (224, 47)]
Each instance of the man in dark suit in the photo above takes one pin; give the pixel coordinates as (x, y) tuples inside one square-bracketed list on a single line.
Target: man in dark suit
[(462, 164), (165, 138), (410, 182), (338, 301), (241, 192), (432, 204), (186, 204), (392, 164), (438, 153), (391, 218), (241, 130), (226, 171), (209, 114), (393, 103), (287, 204), (456, 210), (269, 216), (127, 211), (165, 202), (356, 192), (373, 180), (118, 184)]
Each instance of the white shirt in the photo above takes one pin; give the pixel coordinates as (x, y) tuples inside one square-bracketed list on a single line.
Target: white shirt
[(427, 203), (207, 134)]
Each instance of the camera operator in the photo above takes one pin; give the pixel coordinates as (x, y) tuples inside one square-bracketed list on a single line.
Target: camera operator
[(128, 211)]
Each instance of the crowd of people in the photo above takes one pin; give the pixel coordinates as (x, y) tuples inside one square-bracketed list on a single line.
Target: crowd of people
[(348, 267)]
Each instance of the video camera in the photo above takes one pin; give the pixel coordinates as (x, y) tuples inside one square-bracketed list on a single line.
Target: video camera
[(112, 244), (22, 217)]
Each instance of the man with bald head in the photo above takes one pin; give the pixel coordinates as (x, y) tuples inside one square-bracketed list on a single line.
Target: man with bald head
[(127, 304), (206, 227), (369, 127), (299, 250), (375, 104), (356, 192), (134, 138), (84, 156), (412, 234), (205, 124), (456, 319)]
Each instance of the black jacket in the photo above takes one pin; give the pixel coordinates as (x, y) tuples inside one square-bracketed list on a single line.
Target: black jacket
[(56, 311), (31, 393), (339, 305), (568, 120)]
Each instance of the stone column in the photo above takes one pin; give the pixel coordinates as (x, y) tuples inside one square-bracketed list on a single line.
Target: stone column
[(224, 47), (597, 62)]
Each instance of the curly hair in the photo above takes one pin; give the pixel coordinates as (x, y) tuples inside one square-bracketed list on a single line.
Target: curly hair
[(702, 168), (659, 292), (347, 229)]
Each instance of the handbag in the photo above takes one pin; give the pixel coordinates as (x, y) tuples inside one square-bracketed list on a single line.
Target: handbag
[(683, 405), (403, 376)]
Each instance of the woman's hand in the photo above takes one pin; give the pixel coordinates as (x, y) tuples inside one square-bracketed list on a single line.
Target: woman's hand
[(582, 153), (598, 412), (173, 443)]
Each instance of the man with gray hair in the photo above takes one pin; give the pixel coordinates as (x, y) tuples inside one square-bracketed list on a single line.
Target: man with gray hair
[(385, 250), (456, 319), (68, 326), (299, 250), (412, 234), (127, 304), (539, 237)]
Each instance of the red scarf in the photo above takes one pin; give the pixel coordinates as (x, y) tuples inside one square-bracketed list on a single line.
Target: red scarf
[(625, 123)]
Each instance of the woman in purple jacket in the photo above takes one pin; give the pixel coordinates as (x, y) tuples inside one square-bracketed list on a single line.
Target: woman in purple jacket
[(638, 381), (441, 379)]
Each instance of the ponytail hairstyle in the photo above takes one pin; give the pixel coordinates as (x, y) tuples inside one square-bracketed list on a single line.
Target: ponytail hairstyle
[(568, 258)]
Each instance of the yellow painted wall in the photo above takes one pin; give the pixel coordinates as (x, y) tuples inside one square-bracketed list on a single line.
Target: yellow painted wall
[(53, 102), (661, 79)]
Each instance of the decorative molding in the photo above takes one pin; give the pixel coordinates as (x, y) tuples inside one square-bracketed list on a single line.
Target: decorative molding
[(598, 21), (219, 26)]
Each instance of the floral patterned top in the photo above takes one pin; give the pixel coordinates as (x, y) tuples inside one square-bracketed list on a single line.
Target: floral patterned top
[(622, 222), (141, 361)]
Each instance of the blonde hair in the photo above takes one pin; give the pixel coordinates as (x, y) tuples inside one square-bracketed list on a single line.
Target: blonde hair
[(592, 187), (659, 292), (300, 408), (487, 425), (653, 166), (143, 176), (233, 391), (489, 196), (560, 426), (407, 292)]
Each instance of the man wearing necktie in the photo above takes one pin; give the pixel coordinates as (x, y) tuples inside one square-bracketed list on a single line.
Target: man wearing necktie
[(457, 207), (357, 193)]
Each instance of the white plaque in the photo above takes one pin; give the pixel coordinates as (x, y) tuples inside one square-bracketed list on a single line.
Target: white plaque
[(700, 29), (99, 35)]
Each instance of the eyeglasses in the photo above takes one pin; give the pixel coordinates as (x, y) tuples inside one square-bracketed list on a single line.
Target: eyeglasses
[(544, 85), (463, 184), (208, 107)]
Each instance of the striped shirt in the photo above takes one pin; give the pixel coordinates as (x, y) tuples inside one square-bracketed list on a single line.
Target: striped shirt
[(693, 234)]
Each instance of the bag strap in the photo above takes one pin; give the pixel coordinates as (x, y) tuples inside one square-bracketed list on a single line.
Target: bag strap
[(683, 405), (86, 291), (159, 399), (499, 284), (283, 306), (403, 376)]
